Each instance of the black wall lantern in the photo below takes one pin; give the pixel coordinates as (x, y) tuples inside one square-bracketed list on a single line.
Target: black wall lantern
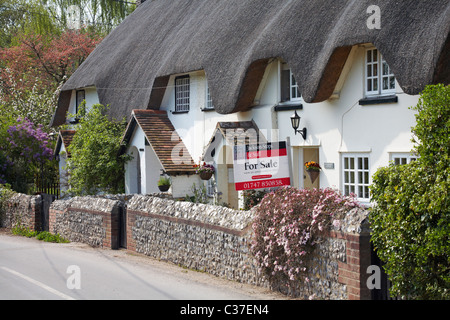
[(295, 121)]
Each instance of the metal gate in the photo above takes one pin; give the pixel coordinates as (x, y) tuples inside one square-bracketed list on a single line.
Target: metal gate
[(46, 201), (383, 292)]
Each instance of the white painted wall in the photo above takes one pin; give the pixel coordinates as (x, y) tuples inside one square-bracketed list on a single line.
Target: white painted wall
[(336, 126), (149, 164), (91, 98)]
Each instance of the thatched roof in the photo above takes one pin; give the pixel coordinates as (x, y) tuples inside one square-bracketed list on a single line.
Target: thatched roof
[(233, 40)]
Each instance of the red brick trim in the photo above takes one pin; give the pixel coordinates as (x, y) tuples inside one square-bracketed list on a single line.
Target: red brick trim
[(352, 272)]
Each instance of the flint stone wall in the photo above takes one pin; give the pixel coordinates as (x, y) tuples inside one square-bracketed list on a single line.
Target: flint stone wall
[(216, 240), (22, 210), (197, 236), (90, 220)]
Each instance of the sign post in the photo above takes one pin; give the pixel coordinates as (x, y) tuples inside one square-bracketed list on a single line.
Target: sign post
[(258, 166)]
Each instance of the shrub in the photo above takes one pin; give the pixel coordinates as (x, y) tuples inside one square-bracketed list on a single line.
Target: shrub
[(410, 219), (40, 235), (5, 194), (94, 164), (253, 198), (287, 224)]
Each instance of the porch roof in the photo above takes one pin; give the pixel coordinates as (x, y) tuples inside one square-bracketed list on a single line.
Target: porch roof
[(164, 140), (234, 132), (64, 138)]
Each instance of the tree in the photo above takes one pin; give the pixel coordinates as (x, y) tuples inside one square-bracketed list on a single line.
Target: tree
[(52, 16), (24, 152), (32, 72), (410, 219), (94, 164)]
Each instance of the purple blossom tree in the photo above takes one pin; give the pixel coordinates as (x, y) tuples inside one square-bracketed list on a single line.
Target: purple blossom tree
[(25, 152)]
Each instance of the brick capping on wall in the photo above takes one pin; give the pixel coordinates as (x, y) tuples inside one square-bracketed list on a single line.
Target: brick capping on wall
[(66, 218), (352, 272)]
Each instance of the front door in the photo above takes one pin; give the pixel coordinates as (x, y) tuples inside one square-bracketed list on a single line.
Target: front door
[(310, 154)]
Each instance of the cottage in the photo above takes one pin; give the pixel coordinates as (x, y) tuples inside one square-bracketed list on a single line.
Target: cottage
[(195, 78)]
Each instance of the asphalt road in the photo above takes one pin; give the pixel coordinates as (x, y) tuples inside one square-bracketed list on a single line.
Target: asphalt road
[(31, 269)]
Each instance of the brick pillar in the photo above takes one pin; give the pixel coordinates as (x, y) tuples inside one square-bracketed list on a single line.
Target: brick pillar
[(111, 225), (131, 218), (353, 272)]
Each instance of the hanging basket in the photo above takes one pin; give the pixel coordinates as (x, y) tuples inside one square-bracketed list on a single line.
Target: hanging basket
[(164, 188), (313, 175), (205, 175)]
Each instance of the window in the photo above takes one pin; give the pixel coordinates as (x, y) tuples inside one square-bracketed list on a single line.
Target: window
[(288, 85), (208, 103), (80, 97), (402, 158), (356, 176), (182, 98), (379, 78), (295, 93)]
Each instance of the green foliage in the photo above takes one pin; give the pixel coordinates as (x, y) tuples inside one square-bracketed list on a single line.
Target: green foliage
[(40, 235), (199, 194), (94, 164), (287, 225), (164, 181), (5, 194), (253, 197), (410, 218)]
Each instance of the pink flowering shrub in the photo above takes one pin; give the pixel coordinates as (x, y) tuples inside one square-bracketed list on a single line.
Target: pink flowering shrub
[(287, 224)]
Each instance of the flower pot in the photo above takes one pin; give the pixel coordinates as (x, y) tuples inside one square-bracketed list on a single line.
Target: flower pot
[(313, 175), (163, 188), (205, 175)]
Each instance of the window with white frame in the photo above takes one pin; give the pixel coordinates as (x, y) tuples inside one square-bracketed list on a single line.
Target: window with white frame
[(80, 97), (378, 75), (295, 92), (402, 158), (288, 85), (182, 93), (208, 102), (356, 174)]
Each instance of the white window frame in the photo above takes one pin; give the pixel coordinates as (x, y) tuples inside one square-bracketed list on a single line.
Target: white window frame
[(356, 175), (400, 158), (208, 101), (377, 74), (182, 93), (80, 96), (294, 92)]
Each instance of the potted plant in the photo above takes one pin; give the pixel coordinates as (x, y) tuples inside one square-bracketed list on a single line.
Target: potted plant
[(205, 170), (164, 183), (313, 170)]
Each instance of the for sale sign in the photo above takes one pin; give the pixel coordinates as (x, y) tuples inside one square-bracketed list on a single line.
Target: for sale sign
[(263, 165)]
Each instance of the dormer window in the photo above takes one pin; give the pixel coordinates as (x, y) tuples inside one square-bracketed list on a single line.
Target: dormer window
[(80, 97), (182, 93), (208, 102), (288, 85), (379, 78), (295, 93)]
